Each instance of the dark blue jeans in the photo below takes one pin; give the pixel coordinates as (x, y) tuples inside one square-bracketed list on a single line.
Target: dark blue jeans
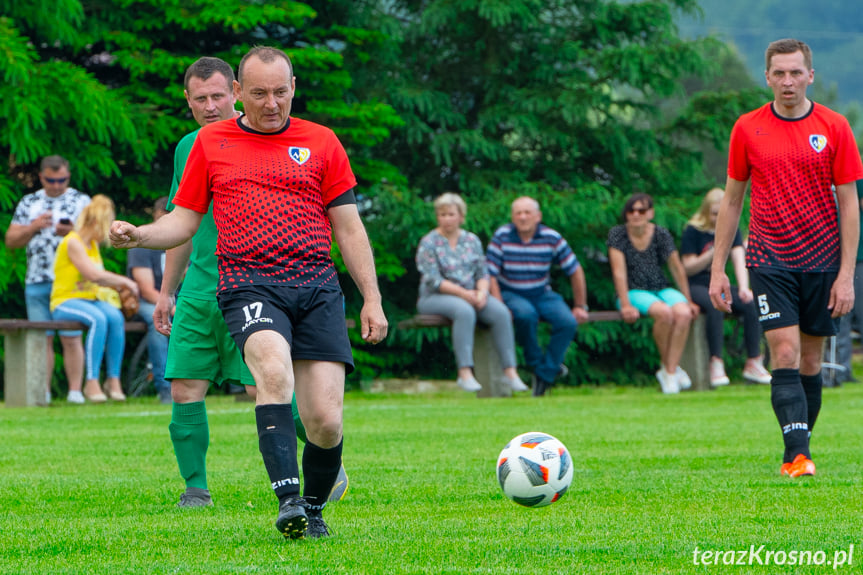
[(526, 315), (157, 346)]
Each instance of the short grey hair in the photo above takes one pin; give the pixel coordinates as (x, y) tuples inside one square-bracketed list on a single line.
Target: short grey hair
[(451, 199), (533, 202), (267, 55)]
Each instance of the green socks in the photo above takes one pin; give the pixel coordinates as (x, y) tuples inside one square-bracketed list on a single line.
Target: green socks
[(298, 423), (190, 434)]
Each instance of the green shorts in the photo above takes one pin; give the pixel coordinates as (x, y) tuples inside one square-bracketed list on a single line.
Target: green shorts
[(200, 346)]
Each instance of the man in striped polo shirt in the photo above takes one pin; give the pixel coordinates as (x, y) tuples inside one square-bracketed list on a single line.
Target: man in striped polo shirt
[(520, 256)]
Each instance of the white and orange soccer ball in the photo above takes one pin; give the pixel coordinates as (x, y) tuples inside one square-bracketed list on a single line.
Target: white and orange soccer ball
[(534, 469)]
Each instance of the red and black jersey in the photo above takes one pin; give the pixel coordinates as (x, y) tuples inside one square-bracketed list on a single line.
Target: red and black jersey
[(794, 164), (270, 195)]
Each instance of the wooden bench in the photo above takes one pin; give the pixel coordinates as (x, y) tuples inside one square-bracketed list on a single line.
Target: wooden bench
[(696, 355), (487, 369), (486, 365), (25, 348)]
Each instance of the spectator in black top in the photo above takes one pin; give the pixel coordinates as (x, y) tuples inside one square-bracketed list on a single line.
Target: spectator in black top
[(696, 252), (637, 251)]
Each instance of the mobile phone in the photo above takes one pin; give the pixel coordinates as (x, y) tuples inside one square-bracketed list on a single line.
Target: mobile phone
[(66, 221)]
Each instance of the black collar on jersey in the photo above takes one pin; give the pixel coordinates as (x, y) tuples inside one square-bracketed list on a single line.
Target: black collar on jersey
[(784, 119), (253, 131)]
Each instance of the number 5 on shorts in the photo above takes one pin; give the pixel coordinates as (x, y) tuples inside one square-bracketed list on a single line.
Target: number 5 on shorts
[(763, 307)]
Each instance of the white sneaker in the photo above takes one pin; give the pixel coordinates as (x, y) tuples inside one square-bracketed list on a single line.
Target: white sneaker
[(683, 379), (48, 396), (757, 374), (515, 383), (717, 373), (75, 397), (468, 384), (668, 381)]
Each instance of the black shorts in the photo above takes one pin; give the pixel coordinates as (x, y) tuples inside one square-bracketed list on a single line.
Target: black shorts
[(785, 298), (310, 319)]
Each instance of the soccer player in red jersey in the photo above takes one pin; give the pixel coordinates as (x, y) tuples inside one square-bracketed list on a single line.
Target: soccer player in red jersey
[(803, 164), (280, 187)]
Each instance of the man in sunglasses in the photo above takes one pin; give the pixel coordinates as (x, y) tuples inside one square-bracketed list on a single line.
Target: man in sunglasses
[(41, 220), (520, 256)]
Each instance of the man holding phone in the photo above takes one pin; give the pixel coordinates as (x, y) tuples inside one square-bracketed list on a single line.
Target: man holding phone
[(41, 220)]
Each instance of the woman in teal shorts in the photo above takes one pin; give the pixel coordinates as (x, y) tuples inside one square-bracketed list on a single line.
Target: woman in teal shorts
[(637, 251)]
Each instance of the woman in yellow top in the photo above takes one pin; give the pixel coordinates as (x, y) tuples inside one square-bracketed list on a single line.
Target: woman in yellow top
[(80, 284)]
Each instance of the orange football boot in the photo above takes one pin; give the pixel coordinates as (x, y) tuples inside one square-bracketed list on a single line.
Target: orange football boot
[(801, 465)]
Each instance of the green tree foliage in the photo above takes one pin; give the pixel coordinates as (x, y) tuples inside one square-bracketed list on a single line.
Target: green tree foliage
[(562, 92), (564, 100), (119, 66), (832, 29), (576, 102), (49, 104), (100, 82), (701, 114)]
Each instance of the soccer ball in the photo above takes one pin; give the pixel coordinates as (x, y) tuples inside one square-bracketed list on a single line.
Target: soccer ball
[(534, 469)]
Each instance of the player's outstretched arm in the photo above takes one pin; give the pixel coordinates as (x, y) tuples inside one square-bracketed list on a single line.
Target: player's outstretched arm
[(169, 231), (350, 235)]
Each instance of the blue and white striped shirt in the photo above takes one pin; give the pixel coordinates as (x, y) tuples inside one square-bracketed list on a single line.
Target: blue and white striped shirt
[(525, 267)]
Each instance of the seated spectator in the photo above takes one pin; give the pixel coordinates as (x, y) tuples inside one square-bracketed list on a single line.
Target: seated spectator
[(454, 283), (80, 280), (146, 267), (637, 251), (520, 256), (696, 252)]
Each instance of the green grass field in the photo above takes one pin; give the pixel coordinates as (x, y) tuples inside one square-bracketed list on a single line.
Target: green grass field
[(92, 489)]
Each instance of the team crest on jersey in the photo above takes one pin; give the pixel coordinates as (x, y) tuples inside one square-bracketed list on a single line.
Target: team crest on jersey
[(299, 155), (818, 142)]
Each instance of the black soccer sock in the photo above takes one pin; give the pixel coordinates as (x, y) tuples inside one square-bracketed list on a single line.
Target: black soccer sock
[(277, 440), (789, 405), (812, 385), (320, 471)]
